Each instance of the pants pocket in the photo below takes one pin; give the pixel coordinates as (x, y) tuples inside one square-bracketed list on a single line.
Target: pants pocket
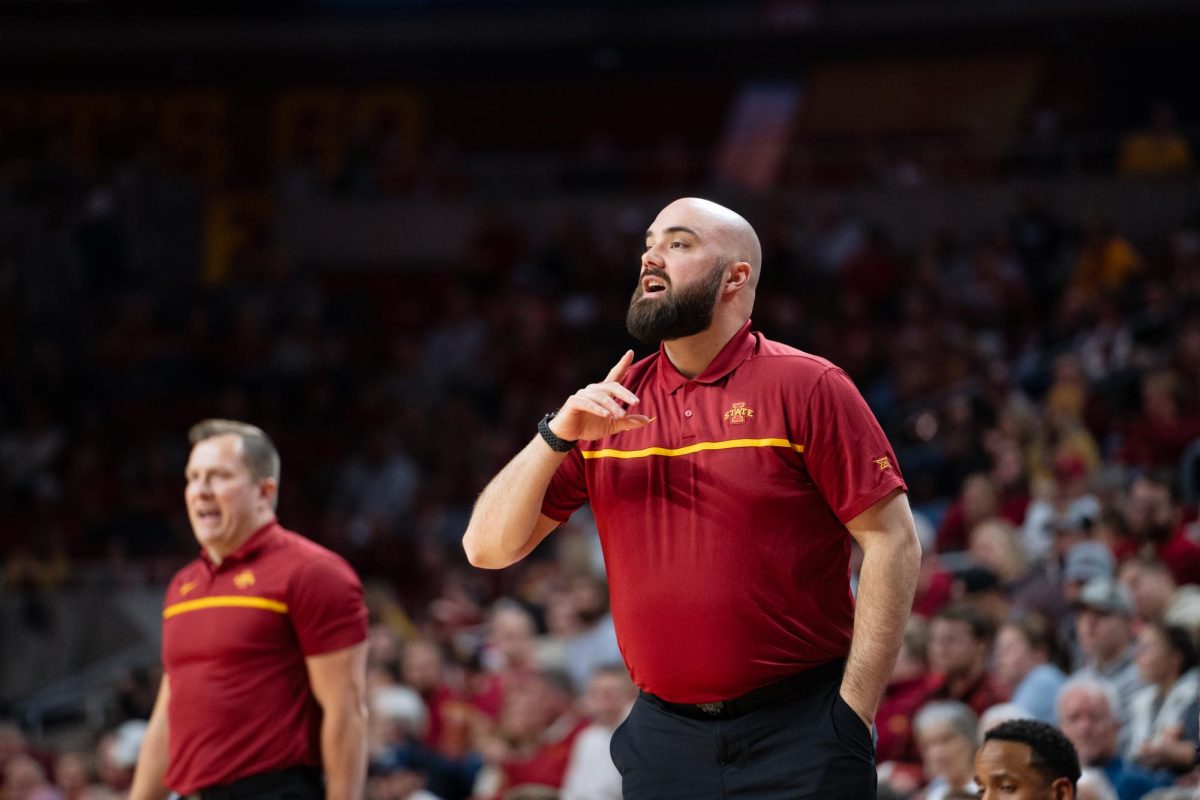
[(850, 729), (616, 743)]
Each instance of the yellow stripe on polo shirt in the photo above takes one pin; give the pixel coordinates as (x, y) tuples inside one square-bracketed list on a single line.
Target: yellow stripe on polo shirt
[(224, 601), (728, 444)]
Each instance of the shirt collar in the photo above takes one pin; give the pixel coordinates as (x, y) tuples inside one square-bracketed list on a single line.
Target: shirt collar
[(739, 348), (250, 548)]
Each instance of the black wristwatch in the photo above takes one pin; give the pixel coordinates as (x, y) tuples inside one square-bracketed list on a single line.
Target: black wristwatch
[(556, 444)]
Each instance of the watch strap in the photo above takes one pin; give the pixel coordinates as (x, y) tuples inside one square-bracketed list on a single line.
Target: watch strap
[(556, 444)]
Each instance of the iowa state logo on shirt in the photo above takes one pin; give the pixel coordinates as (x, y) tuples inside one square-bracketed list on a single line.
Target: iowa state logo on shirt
[(244, 579), (738, 414)]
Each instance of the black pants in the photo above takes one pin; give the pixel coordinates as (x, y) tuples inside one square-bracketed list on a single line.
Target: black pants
[(295, 783), (808, 745)]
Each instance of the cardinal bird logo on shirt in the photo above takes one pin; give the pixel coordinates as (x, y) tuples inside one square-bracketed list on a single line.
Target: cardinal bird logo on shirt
[(738, 414), (244, 579)]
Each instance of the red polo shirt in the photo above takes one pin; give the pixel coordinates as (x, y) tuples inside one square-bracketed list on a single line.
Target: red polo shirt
[(235, 637), (722, 521)]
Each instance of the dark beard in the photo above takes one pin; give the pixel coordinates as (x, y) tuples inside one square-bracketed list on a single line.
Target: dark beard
[(680, 314)]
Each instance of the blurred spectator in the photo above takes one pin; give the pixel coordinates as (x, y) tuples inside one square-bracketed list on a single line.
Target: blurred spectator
[(25, 779), (1084, 562), (510, 656), (947, 735), (1153, 527), (399, 759), (1157, 150), (1093, 785), (1106, 264), (1163, 725), (979, 588), (996, 545), (1067, 511), (72, 775), (594, 642), (1157, 437), (934, 582), (896, 754), (591, 774), (1087, 714), (1025, 652), (116, 755), (448, 728), (1103, 626), (1150, 586), (977, 503), (998, 714), (12, 743), (398, 785), (532, 743), (960, 641)]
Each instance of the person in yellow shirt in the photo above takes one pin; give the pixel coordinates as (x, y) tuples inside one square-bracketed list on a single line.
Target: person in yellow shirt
[(1158, 150), (1107, 262)]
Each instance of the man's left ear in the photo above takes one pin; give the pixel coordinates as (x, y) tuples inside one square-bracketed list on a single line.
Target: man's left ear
[(1062, 789), (268, 490), (739, 275)]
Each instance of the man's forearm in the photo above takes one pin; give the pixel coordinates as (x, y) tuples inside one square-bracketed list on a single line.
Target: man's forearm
[(344, 752), (507, 512), (152, 757), (887, 583)]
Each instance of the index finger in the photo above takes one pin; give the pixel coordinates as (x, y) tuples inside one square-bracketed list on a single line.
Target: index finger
[(619, 369)]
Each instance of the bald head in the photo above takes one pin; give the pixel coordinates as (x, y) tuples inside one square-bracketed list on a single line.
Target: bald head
[(699, 272), (729, 230)]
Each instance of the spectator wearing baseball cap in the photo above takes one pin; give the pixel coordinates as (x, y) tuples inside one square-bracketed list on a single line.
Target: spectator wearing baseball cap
[(1084, 562), (1103, 626)]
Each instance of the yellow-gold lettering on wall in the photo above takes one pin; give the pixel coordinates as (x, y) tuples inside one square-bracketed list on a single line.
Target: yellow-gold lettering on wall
[(85, 117), (193, 128), (399, 110), (235, 224), (309, 130)]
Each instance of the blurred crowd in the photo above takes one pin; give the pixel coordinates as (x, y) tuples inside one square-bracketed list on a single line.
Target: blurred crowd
[(1040, 384)]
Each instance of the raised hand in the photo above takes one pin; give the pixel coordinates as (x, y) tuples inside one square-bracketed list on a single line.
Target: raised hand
[(600, 409)]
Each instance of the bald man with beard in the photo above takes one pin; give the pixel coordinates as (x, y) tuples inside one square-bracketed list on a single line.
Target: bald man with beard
[(728, 475)]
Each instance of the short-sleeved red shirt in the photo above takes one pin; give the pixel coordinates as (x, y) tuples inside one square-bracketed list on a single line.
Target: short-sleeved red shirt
[(722, 522), (235, 637)]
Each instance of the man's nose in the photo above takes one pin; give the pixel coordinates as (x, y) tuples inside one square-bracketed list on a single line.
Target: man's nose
[(652, 258)]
